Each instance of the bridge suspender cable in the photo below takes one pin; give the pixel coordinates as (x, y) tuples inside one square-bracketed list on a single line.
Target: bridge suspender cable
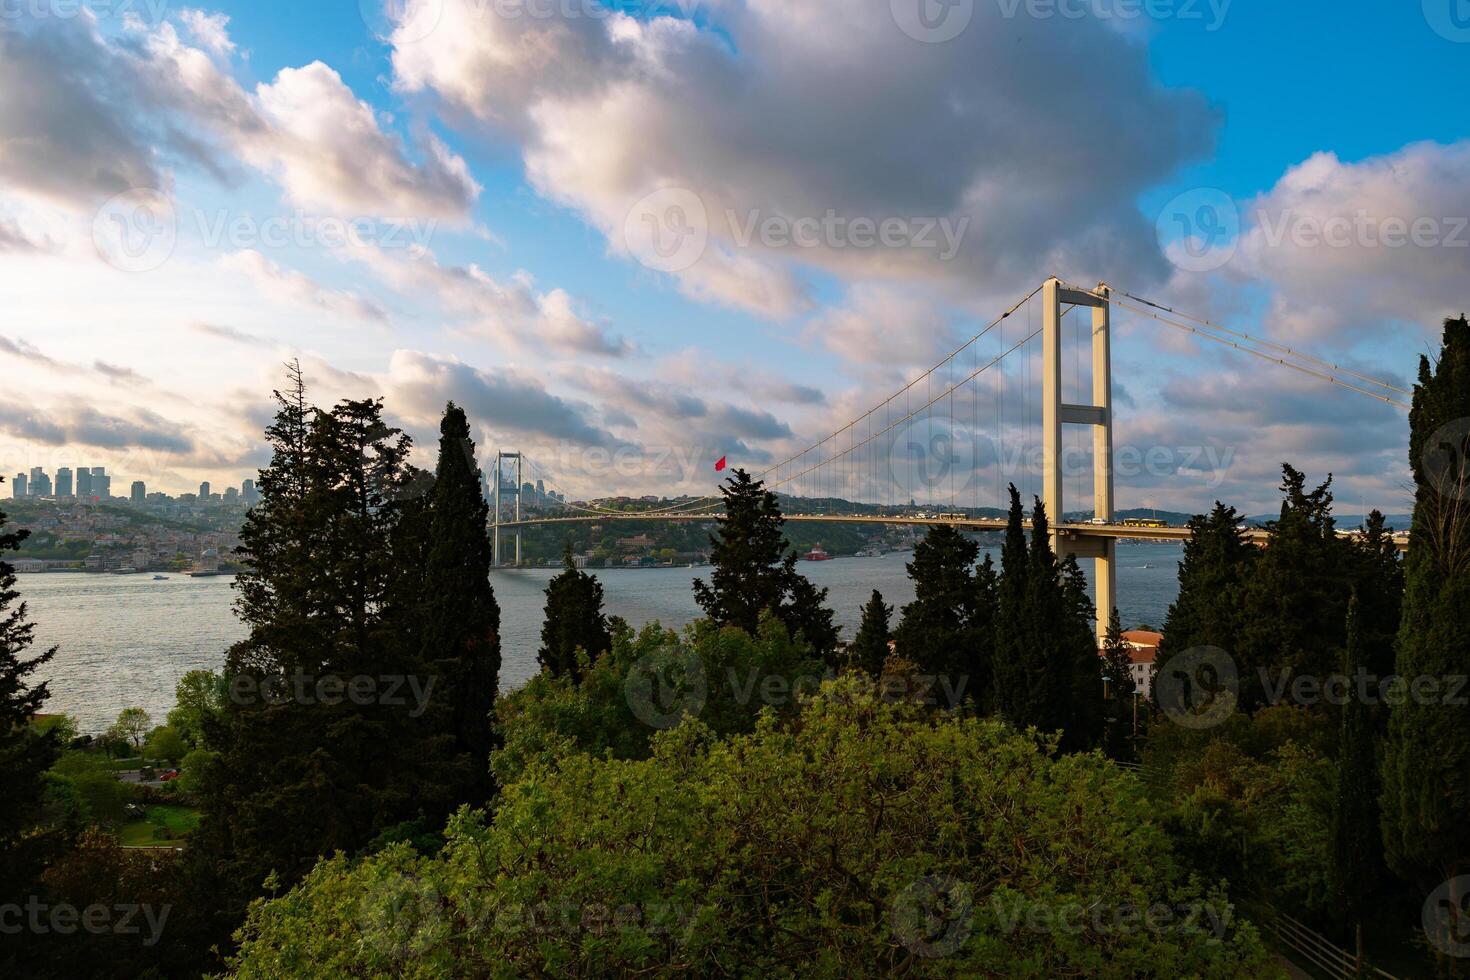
[(1323, 375)]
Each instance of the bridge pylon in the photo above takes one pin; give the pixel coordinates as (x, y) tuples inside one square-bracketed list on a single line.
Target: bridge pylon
[(496, 507), (1098, 415)]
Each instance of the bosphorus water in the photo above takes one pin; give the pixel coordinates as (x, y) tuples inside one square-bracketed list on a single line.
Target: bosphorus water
[(125, 640)]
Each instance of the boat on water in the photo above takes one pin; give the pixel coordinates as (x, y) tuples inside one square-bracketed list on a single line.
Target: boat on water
[(816, 554), (870, 553), (160, 578)]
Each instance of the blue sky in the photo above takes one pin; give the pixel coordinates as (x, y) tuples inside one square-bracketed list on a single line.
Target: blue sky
[(505, 165)]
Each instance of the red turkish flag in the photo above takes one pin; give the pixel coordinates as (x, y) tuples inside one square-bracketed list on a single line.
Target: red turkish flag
[(720, 466)]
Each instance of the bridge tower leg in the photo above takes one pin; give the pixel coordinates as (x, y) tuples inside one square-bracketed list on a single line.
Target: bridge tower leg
[(1099, 415), (500, 457)]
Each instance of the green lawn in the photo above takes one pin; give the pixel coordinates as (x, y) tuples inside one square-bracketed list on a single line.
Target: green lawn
[(179, 820)]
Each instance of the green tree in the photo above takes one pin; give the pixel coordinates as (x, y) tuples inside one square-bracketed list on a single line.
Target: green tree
[(1045, 662), (755, 570), (1117, 672), (574, 620), (869, 648), (1426, 759), (1378, 580), (165, 743), (199, 700), (132, 726), (26, 753), (1357, 861), (461, 634), (1217, 563), (1295, 601), (935, 630)]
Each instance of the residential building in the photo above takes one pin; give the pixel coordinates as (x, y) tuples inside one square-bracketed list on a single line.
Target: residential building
[(139, 492), (64, 482), (40, 483), (101, 483), (1143, 651), (20, 485), (84, 483)]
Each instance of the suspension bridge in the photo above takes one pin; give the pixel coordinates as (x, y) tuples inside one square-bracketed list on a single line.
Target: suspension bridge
[(1026, 401)]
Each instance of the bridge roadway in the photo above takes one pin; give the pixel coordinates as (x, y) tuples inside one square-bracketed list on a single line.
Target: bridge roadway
[(1067, 532)]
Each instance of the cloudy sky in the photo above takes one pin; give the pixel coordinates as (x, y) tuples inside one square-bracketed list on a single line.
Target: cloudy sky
[(632, 238)]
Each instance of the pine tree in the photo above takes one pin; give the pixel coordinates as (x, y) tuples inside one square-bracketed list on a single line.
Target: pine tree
[(1356, 864), (755, 570), (1218, 561), (574, 621), (937, 630), (25, 754), (1378, 579), (1426, 759), (1117, 671), (1295, 602), (461, 633), (869, 648)]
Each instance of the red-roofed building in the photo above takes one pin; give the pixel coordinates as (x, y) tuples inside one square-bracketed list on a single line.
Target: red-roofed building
[(1143, 651)]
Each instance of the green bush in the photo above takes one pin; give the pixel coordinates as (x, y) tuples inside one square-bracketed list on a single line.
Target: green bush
[(858, 838)]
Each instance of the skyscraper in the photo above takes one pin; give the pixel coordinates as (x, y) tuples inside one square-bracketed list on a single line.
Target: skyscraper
[(63, 482), (84, 483), (20, 486), (249, 493), (101, 483), (140, 492), (204, 492), (40, 483)]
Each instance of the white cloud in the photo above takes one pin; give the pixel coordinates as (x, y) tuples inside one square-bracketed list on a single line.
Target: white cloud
[(791, 111), (295, 287)]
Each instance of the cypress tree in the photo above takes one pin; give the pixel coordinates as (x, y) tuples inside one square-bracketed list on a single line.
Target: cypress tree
[(1378, 580), (869, 648), (1426, 759), (1296, 597), (1117, 671), (1356, 845), (461, 635), (25, 754), (1018, 663), (1083, 714), (1217, 563), (755, 570), (574, 621), (936, 631)]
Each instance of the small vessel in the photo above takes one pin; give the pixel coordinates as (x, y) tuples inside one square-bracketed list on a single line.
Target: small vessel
[(816, 554), (160, 578), (870, 553)]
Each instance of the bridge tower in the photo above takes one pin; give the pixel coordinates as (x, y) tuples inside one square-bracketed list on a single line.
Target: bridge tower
[(495, 524), (1098, 415)]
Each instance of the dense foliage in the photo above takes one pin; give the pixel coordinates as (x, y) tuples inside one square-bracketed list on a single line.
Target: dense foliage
[(1426, 765), (859, 838), (574, 621)]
